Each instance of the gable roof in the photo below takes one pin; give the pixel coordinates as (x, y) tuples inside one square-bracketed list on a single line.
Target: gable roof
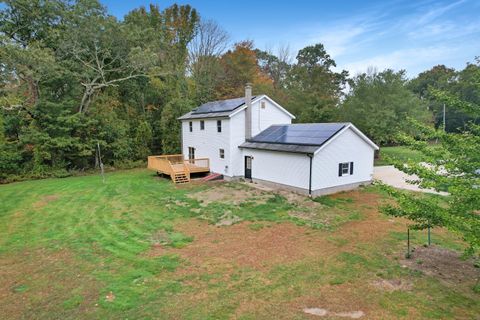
[(225, 108), (301, 138)]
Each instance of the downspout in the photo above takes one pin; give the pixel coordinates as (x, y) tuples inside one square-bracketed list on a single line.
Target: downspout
[(310, 176)]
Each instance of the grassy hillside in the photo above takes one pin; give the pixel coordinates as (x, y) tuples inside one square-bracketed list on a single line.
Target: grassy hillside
[(138, 247)]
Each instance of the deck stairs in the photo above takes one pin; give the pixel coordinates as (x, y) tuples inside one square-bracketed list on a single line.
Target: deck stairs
[(181, 177)]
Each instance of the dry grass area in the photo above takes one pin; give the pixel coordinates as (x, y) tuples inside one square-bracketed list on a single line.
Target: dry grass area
[(137, 247)]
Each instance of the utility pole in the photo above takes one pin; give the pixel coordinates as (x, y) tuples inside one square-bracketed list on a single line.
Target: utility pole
[(444, 121)]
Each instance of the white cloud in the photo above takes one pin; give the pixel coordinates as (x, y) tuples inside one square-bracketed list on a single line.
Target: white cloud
[(433, 13), (409, 59)]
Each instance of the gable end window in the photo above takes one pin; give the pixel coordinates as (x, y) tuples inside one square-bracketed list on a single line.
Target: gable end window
[(222, 153), (345, 169), (262, 104), (219, 125), (202, 125), (190, 125)]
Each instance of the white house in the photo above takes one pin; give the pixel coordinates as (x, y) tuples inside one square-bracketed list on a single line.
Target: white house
[(253, 138)]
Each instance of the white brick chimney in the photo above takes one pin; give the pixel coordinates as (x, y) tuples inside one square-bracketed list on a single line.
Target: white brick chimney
[(248, 111)]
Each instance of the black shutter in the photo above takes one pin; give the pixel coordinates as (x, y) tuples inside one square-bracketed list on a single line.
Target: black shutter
[(339, 169), (351, 167)]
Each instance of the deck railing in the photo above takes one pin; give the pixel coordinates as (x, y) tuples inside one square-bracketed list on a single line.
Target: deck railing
[(175, 164), (200, 163)]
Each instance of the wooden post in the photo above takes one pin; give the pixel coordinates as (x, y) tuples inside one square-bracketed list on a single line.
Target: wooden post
[(428, 231), (408, 243)]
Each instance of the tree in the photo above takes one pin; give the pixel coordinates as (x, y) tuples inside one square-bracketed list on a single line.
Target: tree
[(452, 166), (275, 66), (204, 59), (99, 53), (143, 140), (314, 88), (441, 78), (171, 133), (379, 104), (72, 76), (240, 66)]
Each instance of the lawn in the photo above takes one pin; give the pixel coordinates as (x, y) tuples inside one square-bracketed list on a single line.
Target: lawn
[(138, 247), (398, 152)]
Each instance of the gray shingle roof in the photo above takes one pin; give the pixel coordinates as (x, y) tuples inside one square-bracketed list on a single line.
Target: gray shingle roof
[(215, 109), (299, 138)]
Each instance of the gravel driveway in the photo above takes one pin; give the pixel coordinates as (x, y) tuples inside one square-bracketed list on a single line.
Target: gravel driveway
[(393, 177)]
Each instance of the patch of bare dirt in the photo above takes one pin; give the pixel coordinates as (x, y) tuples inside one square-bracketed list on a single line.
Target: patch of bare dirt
[(392, 285), (230, 194), (227, 219), (35, 284), (45, 200), (443, 264), (238, 245)]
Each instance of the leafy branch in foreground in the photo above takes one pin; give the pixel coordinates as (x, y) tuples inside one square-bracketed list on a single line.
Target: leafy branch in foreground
[(452, 166)]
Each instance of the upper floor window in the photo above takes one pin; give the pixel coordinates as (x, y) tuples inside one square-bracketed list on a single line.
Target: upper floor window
[(222, 153), (262, 104), (190, 125), (202, 125), (219, 125)]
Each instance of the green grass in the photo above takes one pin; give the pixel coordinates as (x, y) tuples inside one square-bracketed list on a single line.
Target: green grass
[(398, 152), (79, 248)]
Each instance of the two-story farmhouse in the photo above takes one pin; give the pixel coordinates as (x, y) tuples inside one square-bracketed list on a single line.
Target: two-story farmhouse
[(252, 137)]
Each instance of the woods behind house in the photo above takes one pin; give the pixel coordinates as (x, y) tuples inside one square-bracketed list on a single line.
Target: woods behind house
[(73, 76)]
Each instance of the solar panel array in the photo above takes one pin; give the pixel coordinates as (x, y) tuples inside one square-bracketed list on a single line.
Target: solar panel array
[(314, 134), (220, 106)]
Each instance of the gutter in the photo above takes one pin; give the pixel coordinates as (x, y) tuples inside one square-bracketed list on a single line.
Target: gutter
[(310, 155)]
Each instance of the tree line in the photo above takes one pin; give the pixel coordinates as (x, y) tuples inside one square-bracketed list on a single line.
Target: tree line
[(73, 77)]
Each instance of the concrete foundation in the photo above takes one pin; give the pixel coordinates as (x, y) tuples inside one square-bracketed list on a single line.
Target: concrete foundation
[(302, 191), (315, 193), (335, 189)]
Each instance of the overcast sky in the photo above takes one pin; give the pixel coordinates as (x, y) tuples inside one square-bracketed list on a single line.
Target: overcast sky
[(412, 35)]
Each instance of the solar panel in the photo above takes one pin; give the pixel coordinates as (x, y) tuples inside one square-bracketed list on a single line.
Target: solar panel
[(303, 134), (220, 106)]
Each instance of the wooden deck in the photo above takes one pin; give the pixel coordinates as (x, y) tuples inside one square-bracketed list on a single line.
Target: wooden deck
[(177, 167)]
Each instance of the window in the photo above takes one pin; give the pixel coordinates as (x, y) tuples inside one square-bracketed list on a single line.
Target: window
[(345, 168), (222, 154), (191, 153), (262, 104), (202, 125), (219, 125), (190, 124)]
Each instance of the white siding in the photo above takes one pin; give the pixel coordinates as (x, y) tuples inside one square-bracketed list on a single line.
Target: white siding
[(208, 142), (348, 147), (264, 118), (291, 169), (261, 119), (237, 137)]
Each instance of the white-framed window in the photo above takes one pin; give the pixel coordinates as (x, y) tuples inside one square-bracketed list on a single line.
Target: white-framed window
[(262, 104), (221, 153), (190, 125), (202, 125), (219, 125), (345, 169)]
